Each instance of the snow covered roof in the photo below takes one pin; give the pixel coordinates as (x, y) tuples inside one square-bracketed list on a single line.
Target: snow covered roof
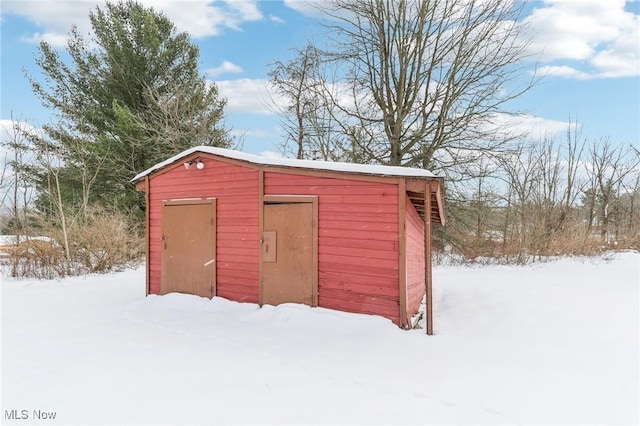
[(287, 162)]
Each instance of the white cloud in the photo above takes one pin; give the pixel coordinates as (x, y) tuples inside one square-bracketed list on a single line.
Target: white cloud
[(54, 17), (247, 9), (532, 126), (246, 95), (540, 126), (599, 38), (276, 19), (225, 68), (54, 39), (306, 7), (563, 71), (13, 130), (201, 18)]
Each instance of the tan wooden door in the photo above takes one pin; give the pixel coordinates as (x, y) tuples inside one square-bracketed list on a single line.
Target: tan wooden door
[(188, 247), (289, 250)]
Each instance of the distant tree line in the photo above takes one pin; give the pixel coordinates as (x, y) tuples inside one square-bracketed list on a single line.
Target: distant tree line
[(547, 198), (421, 84)]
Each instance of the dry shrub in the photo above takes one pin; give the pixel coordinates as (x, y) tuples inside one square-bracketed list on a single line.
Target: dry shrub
[(33, 258), (576, 241), (102, 242), (535, 242), (99, 242)]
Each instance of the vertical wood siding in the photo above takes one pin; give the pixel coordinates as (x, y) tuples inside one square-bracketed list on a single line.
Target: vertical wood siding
[(236, 190), (357, 241), (415, 259)]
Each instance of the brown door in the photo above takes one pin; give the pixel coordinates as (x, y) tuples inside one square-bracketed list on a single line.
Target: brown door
[(289, 250), (189, 247)]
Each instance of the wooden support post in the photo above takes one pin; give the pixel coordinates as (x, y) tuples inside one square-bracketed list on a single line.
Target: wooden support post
[(402, 253), (147, 231), (427, 259)]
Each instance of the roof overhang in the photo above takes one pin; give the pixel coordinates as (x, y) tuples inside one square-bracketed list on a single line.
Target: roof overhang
[(418, 190)]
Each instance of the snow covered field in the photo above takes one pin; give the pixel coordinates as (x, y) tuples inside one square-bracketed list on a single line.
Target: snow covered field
[(546, 343)]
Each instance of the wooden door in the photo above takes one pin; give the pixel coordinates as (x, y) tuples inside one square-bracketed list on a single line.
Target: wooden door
[(289, 253), (189, 247)]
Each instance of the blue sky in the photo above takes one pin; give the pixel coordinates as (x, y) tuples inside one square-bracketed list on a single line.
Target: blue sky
[(589, 53)]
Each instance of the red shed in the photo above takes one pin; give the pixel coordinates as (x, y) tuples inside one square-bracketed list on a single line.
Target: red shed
[(350, 237)]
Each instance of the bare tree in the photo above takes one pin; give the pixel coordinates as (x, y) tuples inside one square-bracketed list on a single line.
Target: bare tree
[(17, 188), (633, 227), (301, 99), (422, 83), (521, 177), (575, 149), (51, 164), (610, 166), (295, 83), (543, 187), (4, 178)]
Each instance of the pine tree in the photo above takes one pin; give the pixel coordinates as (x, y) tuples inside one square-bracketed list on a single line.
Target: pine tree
[(126, 98)]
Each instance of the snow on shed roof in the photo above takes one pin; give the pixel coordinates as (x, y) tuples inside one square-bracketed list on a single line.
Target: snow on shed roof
[(288, 162)]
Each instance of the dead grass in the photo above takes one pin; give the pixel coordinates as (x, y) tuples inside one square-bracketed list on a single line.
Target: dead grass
[(98, 242)]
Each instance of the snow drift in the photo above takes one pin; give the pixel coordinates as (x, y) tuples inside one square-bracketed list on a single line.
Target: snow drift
[(549, 343)]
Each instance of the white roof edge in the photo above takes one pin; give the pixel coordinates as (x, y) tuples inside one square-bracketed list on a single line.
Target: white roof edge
[(368, 169)]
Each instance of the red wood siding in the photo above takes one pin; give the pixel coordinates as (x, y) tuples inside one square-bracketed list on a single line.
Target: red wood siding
[(357, 241), (236, 191), (415, 259)]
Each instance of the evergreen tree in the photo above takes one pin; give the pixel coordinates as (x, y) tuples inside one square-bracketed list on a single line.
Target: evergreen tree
[(126, 98)]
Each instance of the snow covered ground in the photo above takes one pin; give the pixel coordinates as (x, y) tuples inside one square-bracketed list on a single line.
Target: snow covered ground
[(547, 343)]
